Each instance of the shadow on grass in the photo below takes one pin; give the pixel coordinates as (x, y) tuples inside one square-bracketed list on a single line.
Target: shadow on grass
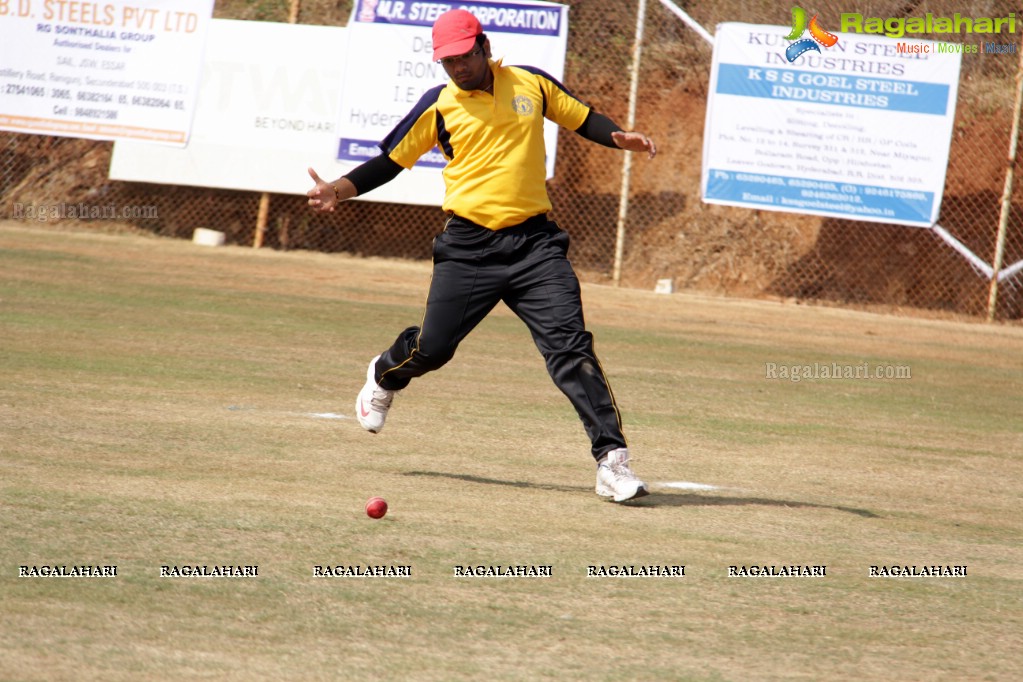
[(659, 499), (656, 498), (495, 481)]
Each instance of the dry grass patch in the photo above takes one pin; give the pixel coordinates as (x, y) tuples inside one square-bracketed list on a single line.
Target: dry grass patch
[(164, 403)]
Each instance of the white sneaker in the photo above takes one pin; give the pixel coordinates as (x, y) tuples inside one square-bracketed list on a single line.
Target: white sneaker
[(616, 480), (373, 402)]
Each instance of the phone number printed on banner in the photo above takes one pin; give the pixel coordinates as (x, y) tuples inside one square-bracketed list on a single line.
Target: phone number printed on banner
[(112, 70)]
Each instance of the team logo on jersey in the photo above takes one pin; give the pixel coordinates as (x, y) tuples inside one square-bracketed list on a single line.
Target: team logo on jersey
[(523, 105)]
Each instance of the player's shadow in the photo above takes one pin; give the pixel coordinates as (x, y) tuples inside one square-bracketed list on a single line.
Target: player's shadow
[(495, 481), (657, 498), (662, 499)]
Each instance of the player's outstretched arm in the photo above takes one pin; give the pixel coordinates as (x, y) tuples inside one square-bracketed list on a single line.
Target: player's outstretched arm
[(325, 196), (634, 142), (600, 129)]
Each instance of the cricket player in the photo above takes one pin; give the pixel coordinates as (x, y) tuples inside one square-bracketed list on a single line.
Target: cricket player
[(498, 243)]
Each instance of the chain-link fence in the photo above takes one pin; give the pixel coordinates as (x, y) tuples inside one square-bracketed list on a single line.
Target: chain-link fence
[(669, 232)]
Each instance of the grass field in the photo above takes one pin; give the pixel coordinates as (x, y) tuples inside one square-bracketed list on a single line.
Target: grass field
[(164, 403)]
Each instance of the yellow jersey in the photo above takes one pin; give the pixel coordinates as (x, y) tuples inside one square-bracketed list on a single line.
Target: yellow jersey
[(495, 174)]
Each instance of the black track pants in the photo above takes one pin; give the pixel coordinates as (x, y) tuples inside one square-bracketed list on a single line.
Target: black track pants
[(526, 267)]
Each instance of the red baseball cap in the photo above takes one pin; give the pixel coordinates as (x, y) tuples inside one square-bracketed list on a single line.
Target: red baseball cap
[(454, 33)]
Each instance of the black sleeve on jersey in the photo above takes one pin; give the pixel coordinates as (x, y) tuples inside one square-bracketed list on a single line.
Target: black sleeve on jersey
[(598, 128), (373, 173)]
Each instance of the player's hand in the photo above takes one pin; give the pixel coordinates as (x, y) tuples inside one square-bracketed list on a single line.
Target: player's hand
[(634, 142), (322, 197)]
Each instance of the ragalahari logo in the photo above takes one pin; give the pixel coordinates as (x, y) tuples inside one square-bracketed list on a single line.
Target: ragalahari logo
[(800, 26)]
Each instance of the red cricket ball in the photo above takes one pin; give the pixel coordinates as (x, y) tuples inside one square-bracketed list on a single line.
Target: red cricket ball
[(376, 507)]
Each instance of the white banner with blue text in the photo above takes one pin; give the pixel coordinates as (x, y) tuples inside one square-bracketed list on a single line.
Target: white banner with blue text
[(390, 65), (858, 129)]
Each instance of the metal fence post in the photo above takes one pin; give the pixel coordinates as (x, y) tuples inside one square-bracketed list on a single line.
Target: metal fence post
[(623, 198), (1003, 220)]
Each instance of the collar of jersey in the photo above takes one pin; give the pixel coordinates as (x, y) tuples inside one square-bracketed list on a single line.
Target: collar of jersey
[(462, 94)]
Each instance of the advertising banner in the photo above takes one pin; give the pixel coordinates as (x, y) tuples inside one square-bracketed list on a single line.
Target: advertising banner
[(860, 129), (108, 70), (390, 65), (266, 111)]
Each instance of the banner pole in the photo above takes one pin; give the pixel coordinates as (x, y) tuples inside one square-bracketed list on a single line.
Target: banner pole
[(1003, 221), (623, 199), (261, 218)]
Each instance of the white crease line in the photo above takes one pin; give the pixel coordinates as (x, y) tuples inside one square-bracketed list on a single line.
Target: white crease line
[(685, 485), (314, 415)]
